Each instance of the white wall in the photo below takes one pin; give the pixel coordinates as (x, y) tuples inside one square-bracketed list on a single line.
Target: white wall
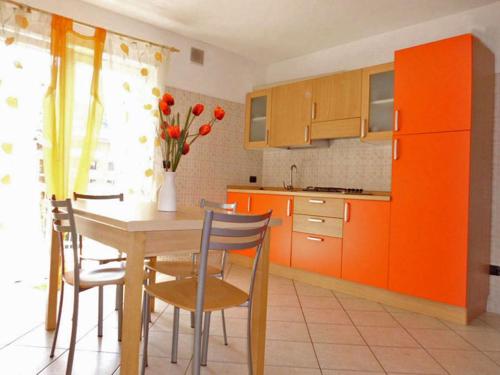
[(484, 22), (225, 75)]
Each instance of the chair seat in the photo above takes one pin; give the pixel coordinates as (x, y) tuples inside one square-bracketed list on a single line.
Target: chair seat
[(182, 293), (107, 274), (181, 269)]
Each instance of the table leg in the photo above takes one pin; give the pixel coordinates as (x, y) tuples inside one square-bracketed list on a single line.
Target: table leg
[(51, 313), (134, 276), (259, 314)]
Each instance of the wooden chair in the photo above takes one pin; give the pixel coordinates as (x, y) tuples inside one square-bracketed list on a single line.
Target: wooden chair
[(185, 269), (81, 279), (102, 257), (205, 294)]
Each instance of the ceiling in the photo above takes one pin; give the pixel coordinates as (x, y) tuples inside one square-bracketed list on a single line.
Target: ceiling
[(273, 30)]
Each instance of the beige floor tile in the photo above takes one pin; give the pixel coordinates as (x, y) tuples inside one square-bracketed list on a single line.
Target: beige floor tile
[(465, 362), (234, 327), (281, 289), (287, 331), (475, 325), (320, 302), (413, 320), (289, 353), (107, 343), (162, 365), (440, 339), (311, 290), (372, 319), (483, 339), (235, 352), (281, 370), (359, 304), (387, 336), (407, 360), (221, 368), (326, 316), (165, 322), (493, 320), (392, 309), (494, 356), (349, 372), (160, 344), (85, 363), (285, 314), (335, 334), (237, 312), (346, 357), (285, 300), (22, 360)]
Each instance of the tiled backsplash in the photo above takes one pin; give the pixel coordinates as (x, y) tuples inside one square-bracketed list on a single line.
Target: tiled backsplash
[(218, 159), (345, 163)]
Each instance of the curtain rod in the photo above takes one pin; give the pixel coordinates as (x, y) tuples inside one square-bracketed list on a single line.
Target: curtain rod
[(28, 8)]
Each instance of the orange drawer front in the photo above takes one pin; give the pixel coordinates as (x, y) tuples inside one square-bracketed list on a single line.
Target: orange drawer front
[(319, 254)]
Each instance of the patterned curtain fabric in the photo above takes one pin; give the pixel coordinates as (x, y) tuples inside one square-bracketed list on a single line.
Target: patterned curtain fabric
[(24, 79)]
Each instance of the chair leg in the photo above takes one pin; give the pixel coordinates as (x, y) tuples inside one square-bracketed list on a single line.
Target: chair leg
[(100, 313), (74, 328), (117, 298), (224, 327), (145, 330), (175, 336), (206, 334), (59, 314), (119, 294), (192, 319), (249, 340)]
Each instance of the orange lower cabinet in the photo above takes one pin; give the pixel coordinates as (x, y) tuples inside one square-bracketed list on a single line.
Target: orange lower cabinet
[(319, 254), (281, 236), (365, 248), (243, 206)]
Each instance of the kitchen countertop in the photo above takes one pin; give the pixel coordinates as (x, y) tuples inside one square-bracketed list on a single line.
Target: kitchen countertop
[(367, 195)]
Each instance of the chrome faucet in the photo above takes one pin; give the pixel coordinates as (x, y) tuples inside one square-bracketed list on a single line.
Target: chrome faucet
[(290, 187)]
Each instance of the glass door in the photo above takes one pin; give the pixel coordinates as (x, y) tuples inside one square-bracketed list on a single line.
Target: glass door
[(257, 119), (377, 102)]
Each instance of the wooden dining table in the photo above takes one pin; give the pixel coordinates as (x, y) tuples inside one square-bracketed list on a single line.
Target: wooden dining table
[(140, 230)]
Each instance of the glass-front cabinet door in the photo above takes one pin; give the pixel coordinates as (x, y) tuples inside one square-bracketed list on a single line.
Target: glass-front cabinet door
[(377, 107), (257, 118)]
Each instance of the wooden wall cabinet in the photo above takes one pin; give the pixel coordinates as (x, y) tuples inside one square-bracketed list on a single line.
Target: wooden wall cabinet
[(291, 114), (257, 119), (377, 103), (336, 106), (365, 249)]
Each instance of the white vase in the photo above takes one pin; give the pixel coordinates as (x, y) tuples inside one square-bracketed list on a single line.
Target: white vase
[(166, 193)]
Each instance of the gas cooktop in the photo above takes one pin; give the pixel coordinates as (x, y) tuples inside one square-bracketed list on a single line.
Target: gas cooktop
[(328, 189)]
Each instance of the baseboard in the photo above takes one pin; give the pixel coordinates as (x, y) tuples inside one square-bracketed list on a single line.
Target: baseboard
[(443, 311)]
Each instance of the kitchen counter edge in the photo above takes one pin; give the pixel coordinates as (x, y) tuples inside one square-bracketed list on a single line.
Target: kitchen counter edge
[(374, 196)]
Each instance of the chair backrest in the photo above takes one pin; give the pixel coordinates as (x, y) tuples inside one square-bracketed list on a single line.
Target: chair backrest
[(230, 207), (63, 221), (226, 232), (77, 196)]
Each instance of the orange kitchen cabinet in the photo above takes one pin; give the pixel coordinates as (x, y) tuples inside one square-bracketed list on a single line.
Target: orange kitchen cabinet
[(365, 247), (319, 254), (281, 236), (430, 216), (243, 206), (433, 86)]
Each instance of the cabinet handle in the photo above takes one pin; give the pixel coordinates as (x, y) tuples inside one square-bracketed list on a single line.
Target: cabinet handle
[(306, 133), (396, 120), (395, 154), (316, 201), (289, 207), (347, 212), (313, 111), (315, 220), (249, 203), (317, 239), (363, 128)]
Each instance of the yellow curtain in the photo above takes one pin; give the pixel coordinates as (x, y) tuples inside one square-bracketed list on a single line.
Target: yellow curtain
[(68, 148)]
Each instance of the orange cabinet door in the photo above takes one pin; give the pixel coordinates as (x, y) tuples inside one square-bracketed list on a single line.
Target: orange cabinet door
[(243, 206), (429, 216), (281, 236), (319, 254), (365, 247), (432, 86)]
